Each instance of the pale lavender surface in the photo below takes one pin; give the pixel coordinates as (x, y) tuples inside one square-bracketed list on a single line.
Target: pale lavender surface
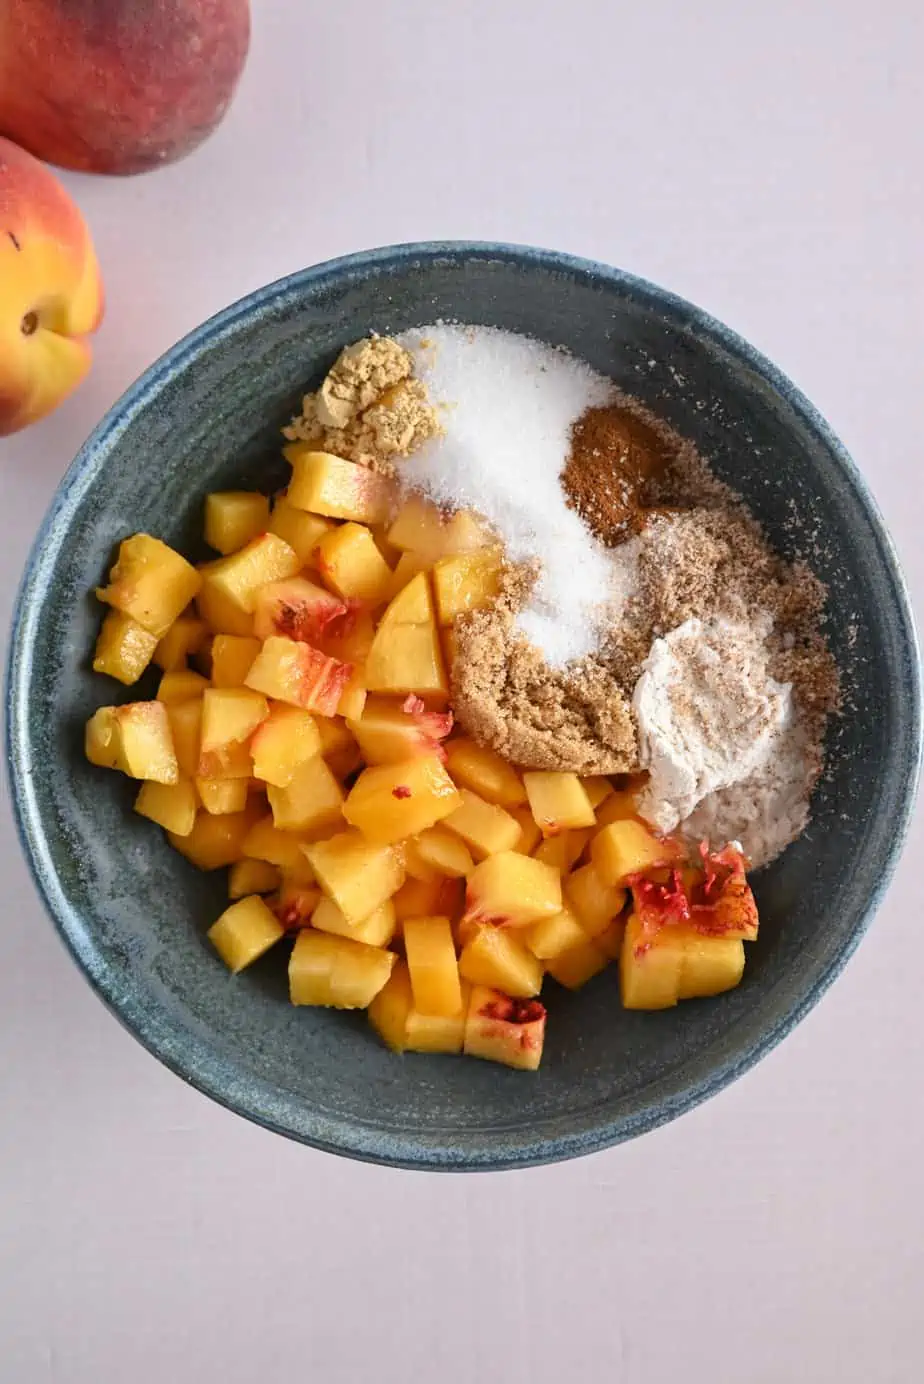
[(774, 1234)]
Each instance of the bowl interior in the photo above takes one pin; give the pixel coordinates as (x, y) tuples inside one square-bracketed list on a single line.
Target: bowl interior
[(135, 914)]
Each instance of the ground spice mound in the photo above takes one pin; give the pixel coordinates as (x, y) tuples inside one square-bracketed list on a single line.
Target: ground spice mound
[(616, 453), (368, 408), (505, 696)]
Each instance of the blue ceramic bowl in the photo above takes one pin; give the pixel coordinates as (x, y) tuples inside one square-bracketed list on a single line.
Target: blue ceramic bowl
[(134, 914)]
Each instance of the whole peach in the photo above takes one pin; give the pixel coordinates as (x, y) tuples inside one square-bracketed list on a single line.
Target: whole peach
[(51, 296), (118, 86)]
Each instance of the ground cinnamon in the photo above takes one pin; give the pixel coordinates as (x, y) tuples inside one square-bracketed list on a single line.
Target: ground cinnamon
[(615, 455)]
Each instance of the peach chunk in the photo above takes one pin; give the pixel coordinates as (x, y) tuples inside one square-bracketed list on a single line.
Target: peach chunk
[(124, 648), (233, 518), (388, 731), (357, 874), (338, 489), (467, 582), (150, 582), (336, 971), (499, 1028), (134, 738), (492, 956), (351, 564), (244, 932), (485, 773), (626, 848), (558, 801), (299, 609), (287, 739), (392, 801), (171, 805), (300, 675), (513, 890), (431, 959), (302, 531)]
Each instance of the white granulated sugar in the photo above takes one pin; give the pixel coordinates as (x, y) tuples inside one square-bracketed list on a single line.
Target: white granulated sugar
[(508, 405)]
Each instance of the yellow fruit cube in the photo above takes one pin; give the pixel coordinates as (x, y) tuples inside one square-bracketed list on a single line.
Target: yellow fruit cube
[(239, 578), (530, 835), (431, 959), (171, 805), (302, 531), (230, 715), (215, 841), (181, 686), (576, 967), (406, 656), (300, 675), (389, 1010), (470, 581), (185, 637), (513, 890), (437, 1032), (429, 898), (710, 965), (564, 850), (558, 801), (484, 772), (338, 746), (618, 806), (355, 873), (351, 564), (185, 720), (353, 697), (287, 739), (610, 940), (252, 877), (393, 801), (264, 841), (300, 609), (124, 648), (499, 1028), (244, 932), (233, 518), (221, 795), (336, 971), (406, 568), (553, 936), (424, 529), (444, 853), (649, 969), (376, 931), (219, 613), (232, 658), (295, 904), (495, 956), (389, 731), (598, 788), (488, 829), (134, 738), (328, 485), (404, 1029), (626, 848), (311, 801), (150, 582), (593, 903)]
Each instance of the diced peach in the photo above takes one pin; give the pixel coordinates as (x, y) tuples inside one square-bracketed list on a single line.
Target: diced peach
[(181, 686), (265, 841), (626, 848), (431, 959), (563, 850), (593, 903), (425, 898), (470, 581), (598, 788), (124, 648), (444, 852), (496, 957), (252, 877), (424, 529), (450, 641), (437, 1032), (302, 531), (389, 1010), (484, 772), (231, 761), (171, 805), (134, 738), (286, 740), (610, 940), (239, 578), (351, 564), (244, 932), (406, 568), (220, 795), (151, 583), (393, 801), (530, 835), (512, 890), (618, 806), (649, 969), (299, 674), (389, 731), (186, 728), (558, 801), (710, 965), (185, 637), (499, 1028), (407, 659), (578, 965), (294, 904), (338, 746), (232, 656), (336, 971), (217, 610), (376, 931), (300, 610), (215, 841), (311, 801), (552, 936), (485, 827), (339, 489), (357, 874), (233, 518), (353, 697)]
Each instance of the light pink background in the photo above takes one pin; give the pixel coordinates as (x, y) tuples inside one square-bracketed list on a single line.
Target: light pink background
[(765, 161)]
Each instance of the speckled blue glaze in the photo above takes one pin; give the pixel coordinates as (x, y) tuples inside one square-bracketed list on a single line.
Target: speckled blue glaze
[(134, 914)]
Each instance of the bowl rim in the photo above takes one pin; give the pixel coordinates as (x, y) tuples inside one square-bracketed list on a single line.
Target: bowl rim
[(344, 1136)]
